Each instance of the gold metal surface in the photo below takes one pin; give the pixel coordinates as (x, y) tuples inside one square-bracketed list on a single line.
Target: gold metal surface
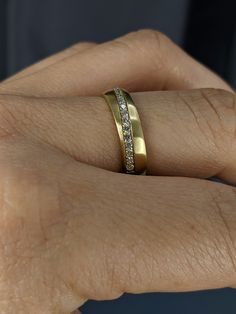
[(138, 158)]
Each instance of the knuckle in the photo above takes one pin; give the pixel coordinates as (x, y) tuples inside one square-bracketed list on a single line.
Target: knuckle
[(213, 112), (219, 97), (221, 107), (147, 42), (152, 36)]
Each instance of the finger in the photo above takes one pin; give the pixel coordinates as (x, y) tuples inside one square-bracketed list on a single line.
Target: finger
[(36, 284), (52, 60), (144, 60), (187, 133), (100, 234)]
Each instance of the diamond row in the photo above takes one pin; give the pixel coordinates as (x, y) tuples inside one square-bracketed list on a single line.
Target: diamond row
[(127, 130)]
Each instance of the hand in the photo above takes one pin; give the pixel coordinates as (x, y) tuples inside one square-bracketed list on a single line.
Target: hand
[(142, 60), (72, 232)]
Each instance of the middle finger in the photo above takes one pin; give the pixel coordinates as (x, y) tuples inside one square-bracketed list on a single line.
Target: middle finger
[(139, 61)]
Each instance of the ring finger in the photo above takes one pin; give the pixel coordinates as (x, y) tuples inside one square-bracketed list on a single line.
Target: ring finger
[(188, 133)]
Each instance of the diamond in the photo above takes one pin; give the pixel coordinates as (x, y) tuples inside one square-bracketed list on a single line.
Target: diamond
[(125, 118), (126, 132), (129, 153), (123, 108), (126, 126), (130, 167), (117, 91), (130, 160), (126, 129), (128, 138), (128, 145)]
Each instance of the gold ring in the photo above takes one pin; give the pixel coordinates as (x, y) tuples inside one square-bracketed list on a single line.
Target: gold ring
[(129, 129)]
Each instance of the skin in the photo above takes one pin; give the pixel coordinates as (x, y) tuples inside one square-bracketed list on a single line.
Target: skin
[(72, 227)]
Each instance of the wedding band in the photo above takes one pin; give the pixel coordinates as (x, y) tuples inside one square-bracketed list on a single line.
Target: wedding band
[(129, 129)]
